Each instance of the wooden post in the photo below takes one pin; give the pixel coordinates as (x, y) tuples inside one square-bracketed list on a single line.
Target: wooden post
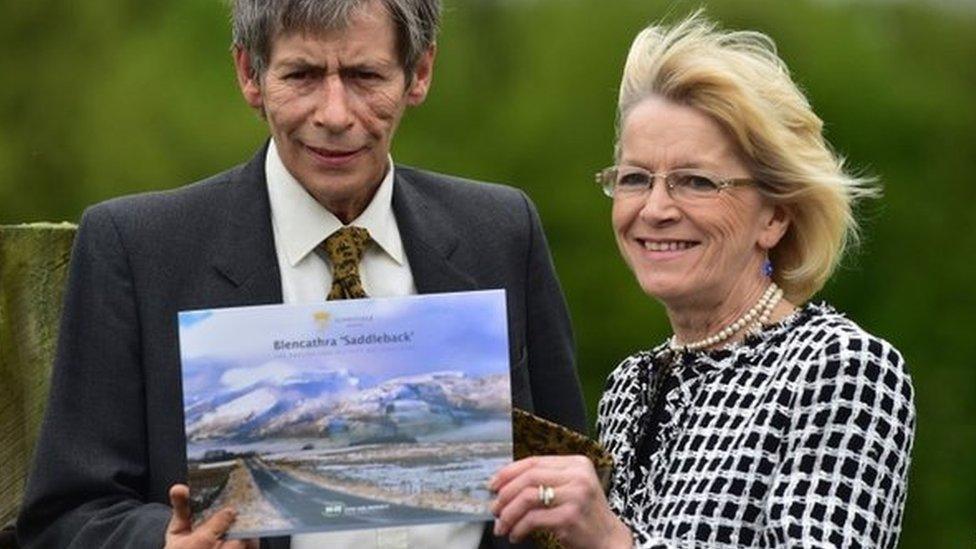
[(33, 268)]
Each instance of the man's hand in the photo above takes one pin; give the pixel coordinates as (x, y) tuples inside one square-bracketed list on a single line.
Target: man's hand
[(180, 533)]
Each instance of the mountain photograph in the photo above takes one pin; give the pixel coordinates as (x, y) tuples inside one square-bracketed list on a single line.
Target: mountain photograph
[(346, 415)]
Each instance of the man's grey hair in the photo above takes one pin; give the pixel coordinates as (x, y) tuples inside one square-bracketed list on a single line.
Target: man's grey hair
[(257, 22)]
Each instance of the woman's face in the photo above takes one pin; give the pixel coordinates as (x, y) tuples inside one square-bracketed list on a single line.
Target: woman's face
[(696, 252)]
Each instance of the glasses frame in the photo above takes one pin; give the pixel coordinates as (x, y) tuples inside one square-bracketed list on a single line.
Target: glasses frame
[(607, 183)]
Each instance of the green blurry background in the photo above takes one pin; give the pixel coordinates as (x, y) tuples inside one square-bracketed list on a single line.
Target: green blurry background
[(108, 97)]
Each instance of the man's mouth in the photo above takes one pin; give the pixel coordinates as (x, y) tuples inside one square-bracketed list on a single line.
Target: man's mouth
[(334, 156)]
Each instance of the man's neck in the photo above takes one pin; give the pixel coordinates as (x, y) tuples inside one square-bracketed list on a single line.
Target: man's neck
[(349, 209)]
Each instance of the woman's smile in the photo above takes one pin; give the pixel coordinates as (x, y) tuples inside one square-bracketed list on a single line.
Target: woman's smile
[(663, 249)]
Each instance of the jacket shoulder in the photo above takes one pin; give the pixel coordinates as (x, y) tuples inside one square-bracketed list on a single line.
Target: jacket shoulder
[(179, 202), (454, 186), (826, 347), (472, 207)]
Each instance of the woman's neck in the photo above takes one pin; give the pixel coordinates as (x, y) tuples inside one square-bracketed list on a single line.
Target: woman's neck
[(700, 319)]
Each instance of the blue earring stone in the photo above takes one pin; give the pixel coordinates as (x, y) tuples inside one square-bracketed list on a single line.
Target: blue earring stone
[(767, 268)]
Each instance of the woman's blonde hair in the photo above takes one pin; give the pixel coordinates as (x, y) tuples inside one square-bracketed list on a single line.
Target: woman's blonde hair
[(737, 78)]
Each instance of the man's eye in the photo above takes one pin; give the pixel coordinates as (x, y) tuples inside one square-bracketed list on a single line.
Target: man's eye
[(297, 75), (367, 75)]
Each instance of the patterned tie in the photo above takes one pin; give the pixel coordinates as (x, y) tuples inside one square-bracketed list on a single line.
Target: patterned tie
[(345, 249)]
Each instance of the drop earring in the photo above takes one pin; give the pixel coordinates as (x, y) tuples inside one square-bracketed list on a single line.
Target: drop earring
[(767, 268)]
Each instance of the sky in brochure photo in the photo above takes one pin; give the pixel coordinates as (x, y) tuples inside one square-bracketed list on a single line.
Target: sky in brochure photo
[(230, 349)]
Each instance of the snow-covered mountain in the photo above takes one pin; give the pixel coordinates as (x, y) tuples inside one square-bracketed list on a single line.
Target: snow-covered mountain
[(334, 405), (244, 411)]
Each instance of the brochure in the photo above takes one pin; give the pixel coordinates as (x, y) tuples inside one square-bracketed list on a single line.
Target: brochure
[(349, 414)]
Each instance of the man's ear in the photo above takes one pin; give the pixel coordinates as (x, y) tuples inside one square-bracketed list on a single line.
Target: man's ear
[(774, 227), (423, 73), (247, 78)]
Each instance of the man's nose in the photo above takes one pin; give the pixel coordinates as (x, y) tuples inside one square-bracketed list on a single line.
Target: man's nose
[(333, 112)]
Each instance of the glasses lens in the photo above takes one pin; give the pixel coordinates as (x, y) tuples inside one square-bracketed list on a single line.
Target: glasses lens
[(629, 180), (692, 185)]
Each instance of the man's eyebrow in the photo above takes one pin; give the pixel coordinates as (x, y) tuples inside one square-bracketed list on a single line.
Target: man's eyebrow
[(302, 62), (369, 64), (296, 62)]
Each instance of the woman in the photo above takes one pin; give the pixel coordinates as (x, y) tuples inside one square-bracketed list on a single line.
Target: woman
[(762, 421)]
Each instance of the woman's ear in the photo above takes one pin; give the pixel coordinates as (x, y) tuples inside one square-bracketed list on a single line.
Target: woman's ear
[(774, 226)]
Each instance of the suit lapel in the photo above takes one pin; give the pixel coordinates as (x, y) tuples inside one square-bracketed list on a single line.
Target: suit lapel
[(246, 257), (429, 240)]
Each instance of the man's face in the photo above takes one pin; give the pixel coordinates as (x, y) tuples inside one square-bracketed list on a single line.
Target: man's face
[(333, 101)]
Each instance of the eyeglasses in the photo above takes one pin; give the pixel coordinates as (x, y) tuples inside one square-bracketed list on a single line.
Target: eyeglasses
[(683, 184)]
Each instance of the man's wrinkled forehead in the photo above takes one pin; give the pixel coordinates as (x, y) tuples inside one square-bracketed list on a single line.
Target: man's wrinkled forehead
[(327, 24), (324, 17)]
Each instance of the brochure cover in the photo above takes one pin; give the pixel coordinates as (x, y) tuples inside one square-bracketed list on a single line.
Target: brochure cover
[(347, 414)]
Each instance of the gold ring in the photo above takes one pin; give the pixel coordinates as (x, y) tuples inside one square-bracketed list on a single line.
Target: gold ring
[(546, 495)]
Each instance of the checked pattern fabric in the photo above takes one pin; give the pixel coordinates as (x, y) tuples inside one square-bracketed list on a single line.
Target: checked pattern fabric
[(344, 249), (799, 436)]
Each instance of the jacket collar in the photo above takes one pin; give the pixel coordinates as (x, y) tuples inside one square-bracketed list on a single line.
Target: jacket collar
[(246, 255), (247, 258), (429, 238)]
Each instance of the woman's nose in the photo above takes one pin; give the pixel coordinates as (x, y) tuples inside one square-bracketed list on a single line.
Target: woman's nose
[(658, 204)]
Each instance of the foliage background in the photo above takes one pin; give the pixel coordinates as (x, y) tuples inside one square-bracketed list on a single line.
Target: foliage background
[(107, 97)]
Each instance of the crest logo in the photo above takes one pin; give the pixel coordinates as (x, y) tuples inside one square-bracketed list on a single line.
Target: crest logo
[(322, 319)]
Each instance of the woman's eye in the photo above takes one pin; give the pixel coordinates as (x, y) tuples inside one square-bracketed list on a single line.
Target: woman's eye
[(632, 180), (697, 182)]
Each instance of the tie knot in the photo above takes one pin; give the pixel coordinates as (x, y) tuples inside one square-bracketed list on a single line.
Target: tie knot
[(346, 244), (345, 249)]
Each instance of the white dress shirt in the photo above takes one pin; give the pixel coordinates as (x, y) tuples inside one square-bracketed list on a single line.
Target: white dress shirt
[(300, 224)]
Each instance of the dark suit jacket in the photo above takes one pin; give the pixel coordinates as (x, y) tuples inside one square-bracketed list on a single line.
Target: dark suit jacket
[(112, 442)]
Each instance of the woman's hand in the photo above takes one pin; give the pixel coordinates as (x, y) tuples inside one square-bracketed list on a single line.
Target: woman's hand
[(180, 533), (578, 513)]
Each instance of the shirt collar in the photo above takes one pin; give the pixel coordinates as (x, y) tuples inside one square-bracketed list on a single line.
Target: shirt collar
[(303, 223)]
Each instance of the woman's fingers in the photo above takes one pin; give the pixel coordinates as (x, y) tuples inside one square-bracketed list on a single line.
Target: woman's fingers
[(527, 482), (529, 504), (538, 471), (514, 469), (567, 483), (556, 520)]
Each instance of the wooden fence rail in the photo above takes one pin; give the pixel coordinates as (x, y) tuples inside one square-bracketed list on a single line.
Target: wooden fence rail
[(33, 268)]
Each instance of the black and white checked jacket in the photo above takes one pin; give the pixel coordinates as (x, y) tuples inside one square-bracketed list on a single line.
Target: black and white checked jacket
[(800, 437)]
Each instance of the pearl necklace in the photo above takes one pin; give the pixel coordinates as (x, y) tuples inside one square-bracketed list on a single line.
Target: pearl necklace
[(761, 310)]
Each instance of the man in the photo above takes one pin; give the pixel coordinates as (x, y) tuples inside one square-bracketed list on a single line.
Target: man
[(332, 78)]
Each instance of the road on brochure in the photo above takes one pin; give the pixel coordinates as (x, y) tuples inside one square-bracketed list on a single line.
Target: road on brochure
[(313, 506)]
